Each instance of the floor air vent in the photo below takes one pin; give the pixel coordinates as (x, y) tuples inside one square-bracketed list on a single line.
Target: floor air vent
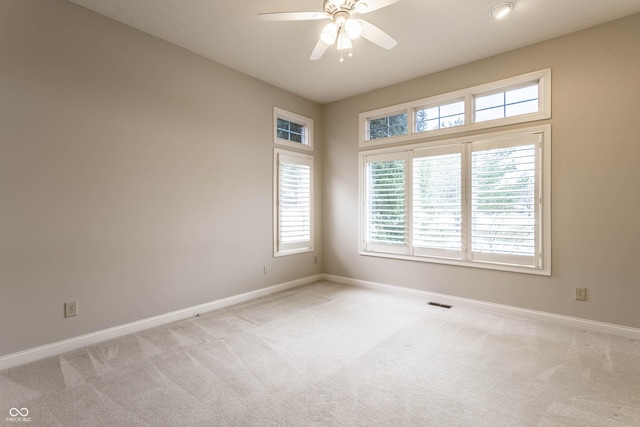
[(437, 304)]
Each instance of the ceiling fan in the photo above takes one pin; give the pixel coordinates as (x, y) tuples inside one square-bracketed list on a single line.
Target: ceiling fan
[(344, 27)]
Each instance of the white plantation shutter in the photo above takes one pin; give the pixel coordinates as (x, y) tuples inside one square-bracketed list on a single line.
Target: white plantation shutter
[(505, 208), (294, 202), (385, 199), (472, 201), (437, 201)]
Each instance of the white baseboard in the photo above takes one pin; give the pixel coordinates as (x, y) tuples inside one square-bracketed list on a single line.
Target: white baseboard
[(60, 347), (574, 322)]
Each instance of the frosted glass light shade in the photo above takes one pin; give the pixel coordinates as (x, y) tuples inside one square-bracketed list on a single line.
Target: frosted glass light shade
[(353, 28), (329, 34)]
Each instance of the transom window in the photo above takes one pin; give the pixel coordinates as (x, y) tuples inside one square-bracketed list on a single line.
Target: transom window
[(508, 103), (384, 127), (292, 129), (518, 99), (440, 116)]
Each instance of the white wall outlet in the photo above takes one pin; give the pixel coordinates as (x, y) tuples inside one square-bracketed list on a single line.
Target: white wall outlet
[(71, 309), (581, 294), (315, 259), (265, 269)]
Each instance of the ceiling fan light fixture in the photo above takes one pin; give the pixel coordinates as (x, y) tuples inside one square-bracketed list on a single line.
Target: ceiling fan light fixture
[(336, 3), (329, 33), (501, 10), (353, 28)]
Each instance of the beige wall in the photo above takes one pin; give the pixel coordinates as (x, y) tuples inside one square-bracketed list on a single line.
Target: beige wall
[(135, 176), (595, 185)]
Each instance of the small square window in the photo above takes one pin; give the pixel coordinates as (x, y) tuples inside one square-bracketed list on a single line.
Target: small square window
[(293, 129)]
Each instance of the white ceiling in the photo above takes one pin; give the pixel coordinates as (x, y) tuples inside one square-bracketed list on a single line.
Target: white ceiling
[(432, 35)]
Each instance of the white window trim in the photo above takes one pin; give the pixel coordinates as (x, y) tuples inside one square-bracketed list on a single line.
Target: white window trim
[(544, 187), (543, 77), (306, 122), (304, 158)]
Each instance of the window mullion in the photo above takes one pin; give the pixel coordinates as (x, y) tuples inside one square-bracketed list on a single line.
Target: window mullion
[(466, 202), (538, 198), (408, 191)]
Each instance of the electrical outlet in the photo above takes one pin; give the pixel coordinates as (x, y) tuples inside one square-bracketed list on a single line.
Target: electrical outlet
[(265, 270), (71, 309), (315, 259), (581, 294)]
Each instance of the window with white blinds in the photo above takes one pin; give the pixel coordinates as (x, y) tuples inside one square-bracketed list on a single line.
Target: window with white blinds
[(437, 201), (293, 202), (385, 203), (482, 201), (504, 199)]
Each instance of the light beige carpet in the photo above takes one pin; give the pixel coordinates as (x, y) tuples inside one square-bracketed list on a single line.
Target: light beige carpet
[(332, 355)]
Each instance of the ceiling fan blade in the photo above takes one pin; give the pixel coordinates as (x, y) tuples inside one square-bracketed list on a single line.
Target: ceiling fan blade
[(372, 5), (377, 36), (318, 51), (292, 16)]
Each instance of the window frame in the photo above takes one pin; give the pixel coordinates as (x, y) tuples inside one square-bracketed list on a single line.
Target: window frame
[(543, 219), (307, 159), (305, 122), (541, 77)]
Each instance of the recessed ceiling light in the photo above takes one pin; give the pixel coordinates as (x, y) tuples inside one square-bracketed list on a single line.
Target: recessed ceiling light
[(501, 10)]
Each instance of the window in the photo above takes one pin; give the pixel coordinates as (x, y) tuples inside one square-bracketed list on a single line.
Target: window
[(481, 201), (440, 116), (384, 127), (504, 198), (437, 201), (508, 103), (293, 202), (518, 99), (292, 129), (386, 195)]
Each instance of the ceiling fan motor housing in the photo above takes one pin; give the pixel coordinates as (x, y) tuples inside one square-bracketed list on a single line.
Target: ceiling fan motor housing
[(332, 7)]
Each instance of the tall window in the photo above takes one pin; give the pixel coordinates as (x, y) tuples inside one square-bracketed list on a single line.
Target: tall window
[(481, 201), (437, 201), (293, 202), (386, 196)]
